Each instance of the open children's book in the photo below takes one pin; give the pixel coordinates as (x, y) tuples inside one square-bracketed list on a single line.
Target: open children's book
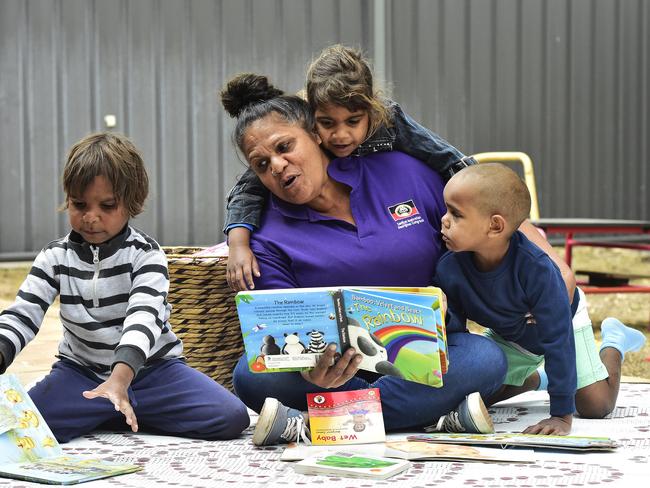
[(399, 331), (511, 439), (416, 451), (29, 451)]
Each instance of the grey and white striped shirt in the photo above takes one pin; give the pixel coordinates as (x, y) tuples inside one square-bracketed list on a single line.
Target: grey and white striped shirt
[(113, 303)]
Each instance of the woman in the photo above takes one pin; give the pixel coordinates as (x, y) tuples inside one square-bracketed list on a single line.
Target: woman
[(330, 223)]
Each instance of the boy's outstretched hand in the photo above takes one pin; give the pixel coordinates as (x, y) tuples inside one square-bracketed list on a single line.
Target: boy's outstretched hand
[(114, 389), (242, 265), (552, 426)]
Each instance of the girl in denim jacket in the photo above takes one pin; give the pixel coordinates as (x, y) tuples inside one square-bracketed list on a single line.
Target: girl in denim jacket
[(352, 119)]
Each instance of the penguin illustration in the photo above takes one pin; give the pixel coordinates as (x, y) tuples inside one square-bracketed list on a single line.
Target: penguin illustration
[(269, 346)]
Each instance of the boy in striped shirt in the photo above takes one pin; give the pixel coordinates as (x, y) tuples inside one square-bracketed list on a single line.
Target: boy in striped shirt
[(118, 358)]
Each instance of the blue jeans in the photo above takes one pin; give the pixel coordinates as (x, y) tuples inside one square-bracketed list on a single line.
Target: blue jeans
[(475, 364), (172, 399)]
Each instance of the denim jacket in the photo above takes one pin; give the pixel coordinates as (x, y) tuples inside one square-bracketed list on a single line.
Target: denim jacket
[(246, 199)]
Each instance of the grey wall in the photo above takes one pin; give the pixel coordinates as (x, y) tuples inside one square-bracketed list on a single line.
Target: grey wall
[(564, 80)]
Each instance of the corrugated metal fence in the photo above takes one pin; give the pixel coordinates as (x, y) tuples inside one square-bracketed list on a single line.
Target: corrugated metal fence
[(564, 80)]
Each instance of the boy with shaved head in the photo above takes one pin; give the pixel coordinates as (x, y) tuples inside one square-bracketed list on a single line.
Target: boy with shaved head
[(496, 277)]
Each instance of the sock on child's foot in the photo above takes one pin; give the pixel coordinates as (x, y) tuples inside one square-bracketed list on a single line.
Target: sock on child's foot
[(621, 337), (543, 379)]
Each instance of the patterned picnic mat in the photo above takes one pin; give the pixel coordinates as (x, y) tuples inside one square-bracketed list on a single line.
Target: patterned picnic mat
[(179, 462)]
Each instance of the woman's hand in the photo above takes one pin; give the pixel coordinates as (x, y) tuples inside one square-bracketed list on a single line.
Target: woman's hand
[(552, 426), (114, 389), (242, 265), (331, 372)]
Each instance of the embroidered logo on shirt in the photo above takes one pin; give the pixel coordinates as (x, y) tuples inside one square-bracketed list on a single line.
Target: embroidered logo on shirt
[(405, 214), (403, 210)]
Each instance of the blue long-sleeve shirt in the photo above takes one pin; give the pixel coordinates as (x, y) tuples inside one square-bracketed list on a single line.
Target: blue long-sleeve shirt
[(526, 281)]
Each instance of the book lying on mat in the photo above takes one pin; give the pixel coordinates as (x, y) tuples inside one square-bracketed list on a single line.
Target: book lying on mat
[(426, 451), (416, 451), (399, 331), (345, 417), (29, 451), (351, 465), (521, 440)]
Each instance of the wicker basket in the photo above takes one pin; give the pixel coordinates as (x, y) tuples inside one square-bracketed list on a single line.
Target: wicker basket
[(204, 315)]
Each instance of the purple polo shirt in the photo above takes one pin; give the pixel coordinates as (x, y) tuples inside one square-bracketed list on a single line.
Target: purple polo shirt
[(397, 205)]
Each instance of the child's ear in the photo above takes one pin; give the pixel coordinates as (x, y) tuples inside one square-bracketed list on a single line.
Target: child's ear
[(317, 138), (497, 225)]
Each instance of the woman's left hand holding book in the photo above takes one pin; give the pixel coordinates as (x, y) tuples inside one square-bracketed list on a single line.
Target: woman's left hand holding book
[(332, 372)]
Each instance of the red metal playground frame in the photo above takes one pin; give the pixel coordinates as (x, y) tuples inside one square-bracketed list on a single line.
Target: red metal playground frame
[(602, 233)]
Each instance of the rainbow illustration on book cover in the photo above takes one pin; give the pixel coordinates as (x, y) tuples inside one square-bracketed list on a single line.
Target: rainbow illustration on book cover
[(396, 336), (406, 325), (429, 296)]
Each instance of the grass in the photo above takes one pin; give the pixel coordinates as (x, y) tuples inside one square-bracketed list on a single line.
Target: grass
[(631, 308)]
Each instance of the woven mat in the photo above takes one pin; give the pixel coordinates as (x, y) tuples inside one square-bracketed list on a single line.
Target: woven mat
[(170, 461)]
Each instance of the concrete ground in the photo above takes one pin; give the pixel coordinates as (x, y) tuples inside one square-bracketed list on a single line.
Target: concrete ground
[(36, 359)]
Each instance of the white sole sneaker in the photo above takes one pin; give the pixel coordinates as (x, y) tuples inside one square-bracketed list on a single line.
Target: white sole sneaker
[(479, 413), (265, 421)]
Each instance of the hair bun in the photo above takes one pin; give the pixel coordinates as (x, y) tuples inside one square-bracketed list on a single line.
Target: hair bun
[(247, 89)]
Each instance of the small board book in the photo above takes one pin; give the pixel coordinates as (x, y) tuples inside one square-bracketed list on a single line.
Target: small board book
[(455, 452), (298, 451), (345, 417), (29, 451), (351, 465), (399, 331), (417, 451), (577, 443)]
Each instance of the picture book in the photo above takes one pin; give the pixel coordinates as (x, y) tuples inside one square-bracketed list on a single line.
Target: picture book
[(398, 331), (298, 451), (417, 451), (8, 420), (345, 417), (455, 452), (351, 465), (521, 440), (29, 451)]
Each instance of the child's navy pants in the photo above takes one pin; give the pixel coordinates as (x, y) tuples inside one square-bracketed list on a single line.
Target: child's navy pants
[(169, 398)]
